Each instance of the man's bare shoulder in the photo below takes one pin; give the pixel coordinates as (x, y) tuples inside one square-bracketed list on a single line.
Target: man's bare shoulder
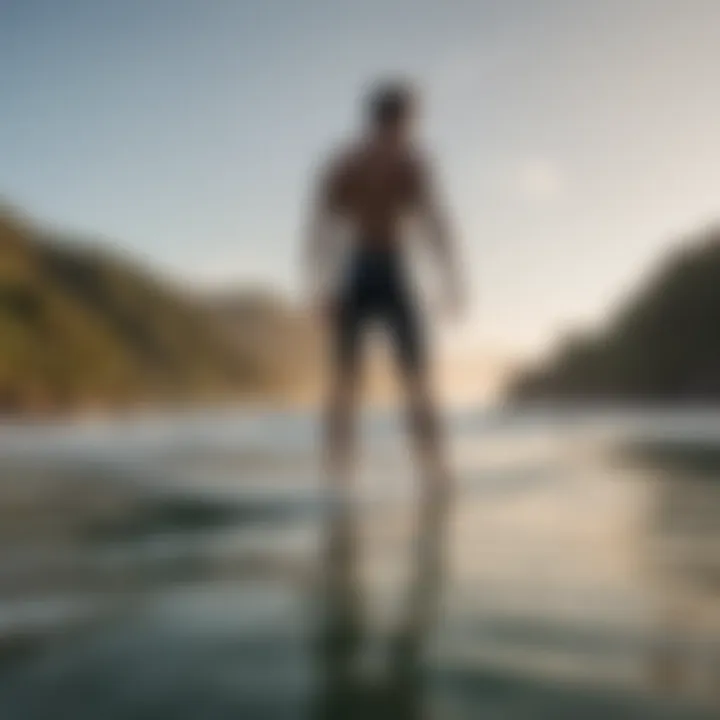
[(418, 160), (337, 171), (415, 166), (343, 159)]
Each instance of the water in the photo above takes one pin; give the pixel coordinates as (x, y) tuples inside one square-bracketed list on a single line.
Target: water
[(198, 568)]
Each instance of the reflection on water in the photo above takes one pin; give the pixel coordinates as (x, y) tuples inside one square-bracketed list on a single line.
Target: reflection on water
[(397, 692), (684, 533), (197, 569)]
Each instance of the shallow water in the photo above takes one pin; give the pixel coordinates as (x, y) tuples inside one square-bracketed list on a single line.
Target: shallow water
[(198, 568)]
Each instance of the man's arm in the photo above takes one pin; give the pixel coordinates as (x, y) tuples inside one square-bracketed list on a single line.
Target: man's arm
[(321, 241), (438, 230)]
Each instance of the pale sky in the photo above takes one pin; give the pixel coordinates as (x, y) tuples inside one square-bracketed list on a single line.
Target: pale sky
[(578, 139)]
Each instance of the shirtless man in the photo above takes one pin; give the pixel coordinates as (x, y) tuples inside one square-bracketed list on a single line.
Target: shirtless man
[(374, 186)]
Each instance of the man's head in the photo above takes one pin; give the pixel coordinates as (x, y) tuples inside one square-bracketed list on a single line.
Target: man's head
[(390, 107)]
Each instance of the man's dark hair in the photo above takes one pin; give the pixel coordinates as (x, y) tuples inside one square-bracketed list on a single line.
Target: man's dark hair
[(389, 103)]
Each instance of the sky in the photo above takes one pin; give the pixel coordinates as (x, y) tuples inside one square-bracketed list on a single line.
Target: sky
[(577, 140)]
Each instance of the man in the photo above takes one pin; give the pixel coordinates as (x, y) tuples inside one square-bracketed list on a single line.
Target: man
[(374, 186)]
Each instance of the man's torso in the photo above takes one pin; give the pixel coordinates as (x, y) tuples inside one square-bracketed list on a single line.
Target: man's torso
[(375, 188)]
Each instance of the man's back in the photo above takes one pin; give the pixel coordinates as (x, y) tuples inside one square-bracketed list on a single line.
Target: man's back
[(374, 185)]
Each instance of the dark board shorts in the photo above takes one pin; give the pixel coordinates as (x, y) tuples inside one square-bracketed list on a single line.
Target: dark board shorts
[(375, 289)]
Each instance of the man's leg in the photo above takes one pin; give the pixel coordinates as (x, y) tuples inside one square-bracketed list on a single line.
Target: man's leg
[(425, 428), (423, 417), (340, 428), (340, 438)]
